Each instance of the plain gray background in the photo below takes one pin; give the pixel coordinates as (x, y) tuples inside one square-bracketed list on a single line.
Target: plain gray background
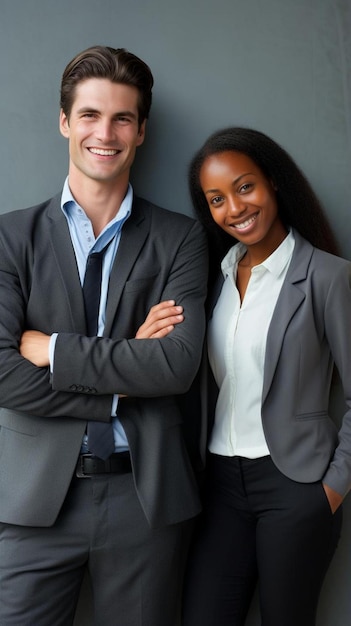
[(281, 66)]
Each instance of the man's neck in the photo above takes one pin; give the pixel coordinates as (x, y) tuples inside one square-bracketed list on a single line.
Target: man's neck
[(101, 201)]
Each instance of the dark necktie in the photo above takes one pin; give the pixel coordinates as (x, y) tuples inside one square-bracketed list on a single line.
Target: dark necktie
[(100, 434)]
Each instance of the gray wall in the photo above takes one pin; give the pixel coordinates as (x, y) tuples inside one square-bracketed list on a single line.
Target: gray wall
[(282, 66)]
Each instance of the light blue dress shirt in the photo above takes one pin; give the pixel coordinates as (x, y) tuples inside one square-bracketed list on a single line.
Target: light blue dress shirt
[(84, 242)]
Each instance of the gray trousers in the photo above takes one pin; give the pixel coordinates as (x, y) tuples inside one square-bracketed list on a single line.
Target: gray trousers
[(136, 572)]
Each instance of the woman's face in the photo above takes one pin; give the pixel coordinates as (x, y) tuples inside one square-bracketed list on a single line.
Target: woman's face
[(241, 199)]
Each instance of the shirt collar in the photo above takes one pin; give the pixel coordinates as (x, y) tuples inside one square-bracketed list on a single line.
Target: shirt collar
[(123, 213), (275, 263)]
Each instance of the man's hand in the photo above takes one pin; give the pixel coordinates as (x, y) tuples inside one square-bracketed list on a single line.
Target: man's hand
[(161, 320), (34, 347)]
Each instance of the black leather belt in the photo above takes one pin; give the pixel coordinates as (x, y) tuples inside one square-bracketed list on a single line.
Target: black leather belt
[(90, 465)]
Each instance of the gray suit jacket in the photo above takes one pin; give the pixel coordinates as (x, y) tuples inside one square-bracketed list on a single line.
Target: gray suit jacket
[(309, 332), (161, 255)]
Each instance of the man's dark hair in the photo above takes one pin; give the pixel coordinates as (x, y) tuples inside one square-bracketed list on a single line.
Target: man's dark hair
[(117, 65)]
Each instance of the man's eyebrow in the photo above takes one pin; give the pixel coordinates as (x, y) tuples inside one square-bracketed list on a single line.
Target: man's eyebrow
[(87, 109), (126, 114)]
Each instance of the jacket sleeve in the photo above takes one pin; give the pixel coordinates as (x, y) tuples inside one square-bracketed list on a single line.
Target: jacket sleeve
[(338, 334), (145, 367), (23, 386)]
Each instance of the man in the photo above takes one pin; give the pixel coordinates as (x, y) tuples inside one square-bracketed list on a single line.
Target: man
[(126, 516)]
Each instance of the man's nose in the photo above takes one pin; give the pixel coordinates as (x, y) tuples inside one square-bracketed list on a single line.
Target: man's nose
[(105, 130)]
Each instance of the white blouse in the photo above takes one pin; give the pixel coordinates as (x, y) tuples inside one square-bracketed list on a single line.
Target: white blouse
[(237, 338)]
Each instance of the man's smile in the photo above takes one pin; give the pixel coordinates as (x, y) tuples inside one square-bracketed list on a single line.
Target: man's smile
[(103, 152)]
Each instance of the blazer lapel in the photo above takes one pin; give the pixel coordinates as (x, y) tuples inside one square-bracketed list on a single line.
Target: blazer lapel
[(214, 295), (67, 276), (290, 298), (133, 235)]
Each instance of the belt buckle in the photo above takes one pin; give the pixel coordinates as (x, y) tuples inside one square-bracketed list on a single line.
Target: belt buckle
[(80, 466)]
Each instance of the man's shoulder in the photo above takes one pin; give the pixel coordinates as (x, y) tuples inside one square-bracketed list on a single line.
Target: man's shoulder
[(161, 216), (35, 209), (29, 214)]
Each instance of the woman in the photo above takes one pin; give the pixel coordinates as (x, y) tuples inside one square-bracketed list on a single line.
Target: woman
[(278, 469)]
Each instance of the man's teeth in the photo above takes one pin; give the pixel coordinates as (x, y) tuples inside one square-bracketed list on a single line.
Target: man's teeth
[(247, 223), (102, 152)]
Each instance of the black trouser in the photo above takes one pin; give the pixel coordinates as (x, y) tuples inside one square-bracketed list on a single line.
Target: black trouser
[(259, 525)]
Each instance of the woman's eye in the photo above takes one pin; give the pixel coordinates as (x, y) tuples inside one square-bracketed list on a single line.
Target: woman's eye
[(217, 200), (245, 187)]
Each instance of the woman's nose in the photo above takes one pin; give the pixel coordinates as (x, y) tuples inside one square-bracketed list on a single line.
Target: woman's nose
[(236, 206)]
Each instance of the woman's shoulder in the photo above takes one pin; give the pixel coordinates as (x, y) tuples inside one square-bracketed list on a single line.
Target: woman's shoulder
[(317, 256)]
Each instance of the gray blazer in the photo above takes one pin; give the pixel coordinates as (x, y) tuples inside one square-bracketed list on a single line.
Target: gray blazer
[(161, 255), (309, 332)]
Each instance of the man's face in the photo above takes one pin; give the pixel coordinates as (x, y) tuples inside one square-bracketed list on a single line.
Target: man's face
[(103, 131)]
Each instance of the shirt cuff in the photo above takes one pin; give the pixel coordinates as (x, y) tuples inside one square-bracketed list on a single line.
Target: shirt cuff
[(52, 344), (114, 405)]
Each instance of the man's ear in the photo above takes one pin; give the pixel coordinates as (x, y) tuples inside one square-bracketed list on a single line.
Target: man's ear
[(141, 133), (64, 124)]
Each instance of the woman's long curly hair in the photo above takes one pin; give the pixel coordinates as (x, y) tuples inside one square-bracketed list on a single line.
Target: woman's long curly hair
[(298, 206)]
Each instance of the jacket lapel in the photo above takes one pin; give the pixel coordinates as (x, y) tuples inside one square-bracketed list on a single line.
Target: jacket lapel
[(68, 288), (214, 295), (134, 233), (290, 298)]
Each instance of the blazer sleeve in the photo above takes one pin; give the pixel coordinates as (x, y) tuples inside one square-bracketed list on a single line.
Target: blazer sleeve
[(145, 367), (23, 386), (338, 334)]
